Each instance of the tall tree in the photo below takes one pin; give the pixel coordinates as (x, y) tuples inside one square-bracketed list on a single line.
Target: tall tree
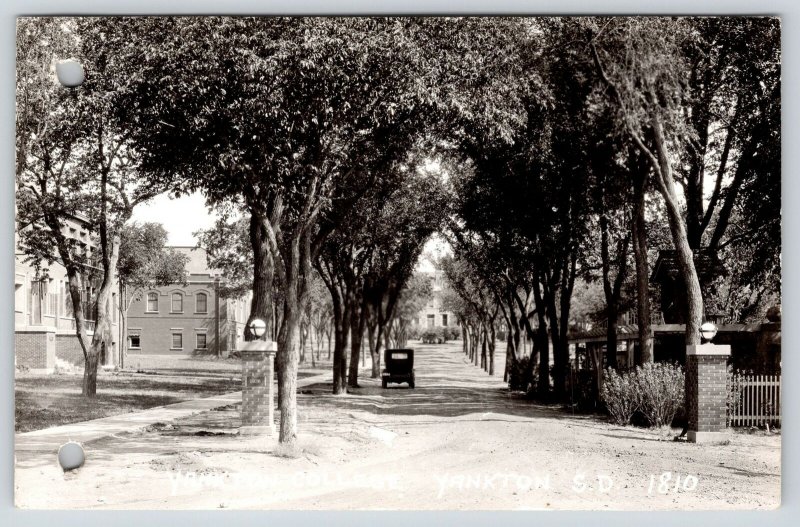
[(75, 158), (639, 63)]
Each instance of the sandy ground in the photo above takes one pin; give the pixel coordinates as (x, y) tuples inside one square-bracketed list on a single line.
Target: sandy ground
[(458, 441)]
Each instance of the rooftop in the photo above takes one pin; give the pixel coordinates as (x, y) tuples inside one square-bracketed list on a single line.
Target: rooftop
[(198, 262)]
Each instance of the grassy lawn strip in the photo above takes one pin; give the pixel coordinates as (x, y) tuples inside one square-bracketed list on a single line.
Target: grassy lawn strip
[(43, 401)]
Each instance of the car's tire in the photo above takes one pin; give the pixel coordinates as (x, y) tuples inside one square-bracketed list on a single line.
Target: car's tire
[(411, 384), (384, 383)]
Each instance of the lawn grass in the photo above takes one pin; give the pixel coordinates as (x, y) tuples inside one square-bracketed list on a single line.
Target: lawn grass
[(43, 401)]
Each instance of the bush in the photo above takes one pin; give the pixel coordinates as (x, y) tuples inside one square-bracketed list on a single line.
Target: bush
[(517, 380), (414, 332), (434, 336), (661, 390), (452, 332), (655, 390), (582, 397), (621, 394)]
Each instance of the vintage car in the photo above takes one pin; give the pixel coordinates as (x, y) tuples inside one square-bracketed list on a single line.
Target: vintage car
[(399, 367)]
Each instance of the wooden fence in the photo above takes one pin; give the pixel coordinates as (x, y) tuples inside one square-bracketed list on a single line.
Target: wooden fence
[(754, 400)]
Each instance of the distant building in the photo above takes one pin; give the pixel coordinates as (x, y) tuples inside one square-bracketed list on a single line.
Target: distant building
[(44, 326), (188, 319), (433, 314)]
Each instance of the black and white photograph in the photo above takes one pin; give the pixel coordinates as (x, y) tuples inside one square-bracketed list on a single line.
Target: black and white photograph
[(452, 263)]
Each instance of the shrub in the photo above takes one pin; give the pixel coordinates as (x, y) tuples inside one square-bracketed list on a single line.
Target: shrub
[(733, 392), (660, 389), (517, 375), (620, 393), (414, 332), (452, 332), (434, 336), (582, 396)]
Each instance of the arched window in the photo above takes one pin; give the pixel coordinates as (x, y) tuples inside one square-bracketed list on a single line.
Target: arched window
[(177, 303), (201, 303), (152, 302)]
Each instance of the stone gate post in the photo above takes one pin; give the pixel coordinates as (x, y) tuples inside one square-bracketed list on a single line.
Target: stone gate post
[(706, 391)]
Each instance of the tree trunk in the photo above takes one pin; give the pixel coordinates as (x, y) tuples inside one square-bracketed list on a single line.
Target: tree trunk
[(288, 343), (311, 338), (596, 357), (562, 365), (261, 305), (328, 333), (341, 330), (542, 343), (103, 334), (639, 227), (685, 257), (492, 335), (373, 345), (484, 350), (123, 320), (611, 339), (302, 343), (510, 356), (358, 321), (611, 304)]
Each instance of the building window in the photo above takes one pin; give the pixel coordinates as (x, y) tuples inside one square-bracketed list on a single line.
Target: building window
[(152, 302), (202, 343), (201, 303), (134, 342), (177, 341), (431, 320), (37, 301), (52, 298), (19, 298), (67, 301), (444, 320), (177, 303)]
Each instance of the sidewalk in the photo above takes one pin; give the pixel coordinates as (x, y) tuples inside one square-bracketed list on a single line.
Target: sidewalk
[(50, 439)]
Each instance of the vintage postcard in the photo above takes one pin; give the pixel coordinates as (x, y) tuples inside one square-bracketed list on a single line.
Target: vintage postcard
[(405, 263)]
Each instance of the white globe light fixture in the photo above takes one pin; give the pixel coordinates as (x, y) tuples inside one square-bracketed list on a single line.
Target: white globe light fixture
[(70, 73), (258, 327), (707, 331)]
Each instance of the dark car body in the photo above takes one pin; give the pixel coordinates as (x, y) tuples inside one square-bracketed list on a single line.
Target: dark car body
[(399, 367)]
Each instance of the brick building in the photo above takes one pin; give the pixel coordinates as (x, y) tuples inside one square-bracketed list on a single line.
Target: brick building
[(433, 314), (44, 327), (188, 319)]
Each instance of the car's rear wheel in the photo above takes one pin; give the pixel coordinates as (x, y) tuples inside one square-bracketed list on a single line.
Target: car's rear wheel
[(385, 383)]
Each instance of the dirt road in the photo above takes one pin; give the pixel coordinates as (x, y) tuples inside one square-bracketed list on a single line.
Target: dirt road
[(457, 441)]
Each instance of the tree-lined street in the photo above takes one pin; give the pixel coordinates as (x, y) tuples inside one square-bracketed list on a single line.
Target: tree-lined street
[(569, 226)]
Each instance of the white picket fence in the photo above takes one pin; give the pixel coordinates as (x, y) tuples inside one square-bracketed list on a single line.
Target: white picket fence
[(754, 400)]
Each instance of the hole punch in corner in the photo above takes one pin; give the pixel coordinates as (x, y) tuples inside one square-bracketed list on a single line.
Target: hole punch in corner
[(71, 456)]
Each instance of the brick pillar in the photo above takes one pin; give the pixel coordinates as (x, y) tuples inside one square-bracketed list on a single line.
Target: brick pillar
[(706, 389), (258, 367)]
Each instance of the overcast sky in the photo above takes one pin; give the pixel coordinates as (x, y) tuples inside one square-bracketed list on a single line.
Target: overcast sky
[(180, 217)]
